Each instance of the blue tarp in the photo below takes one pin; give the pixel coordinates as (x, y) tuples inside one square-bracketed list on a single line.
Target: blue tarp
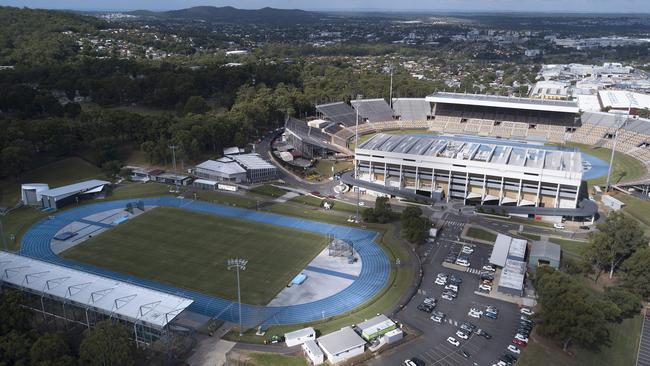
[(299, 279)]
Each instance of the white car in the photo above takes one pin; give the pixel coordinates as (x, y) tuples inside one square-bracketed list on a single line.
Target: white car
[(361, 203), (500, 363), (440, 281), (447, 297), (512, 348), (430, 301), (453, 341), (558, 225), (437, 319), (451, 287), (462, 262), (488, 268), (475, 313), (462, 335), (484, 287), (467, 250), (521, 337), (526, 311), (444, 276)]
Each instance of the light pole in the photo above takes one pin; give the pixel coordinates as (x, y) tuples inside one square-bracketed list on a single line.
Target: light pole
[(390, 101), (173, 147), (356, 167), (237, 264), (2, 234), (611, 159)]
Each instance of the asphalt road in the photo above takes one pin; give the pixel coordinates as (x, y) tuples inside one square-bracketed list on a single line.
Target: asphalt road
[(432, 346)]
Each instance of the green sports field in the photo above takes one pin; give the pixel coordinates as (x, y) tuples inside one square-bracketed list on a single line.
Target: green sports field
[(189, 250)]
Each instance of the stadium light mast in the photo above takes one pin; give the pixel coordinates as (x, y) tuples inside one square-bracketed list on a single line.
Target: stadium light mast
[(390, 101), (2, 234), (356, 168), (611, 159), (237, 264), (173, 147)]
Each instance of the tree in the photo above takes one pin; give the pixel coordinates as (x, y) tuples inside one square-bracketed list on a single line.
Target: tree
[(568, 313), (414, 226), (107, 345), (616, 240), (637, 272), (51, 349), (13, 317), (628, 303), (111, 167), (196, 105), (383, 211), (368, 215)]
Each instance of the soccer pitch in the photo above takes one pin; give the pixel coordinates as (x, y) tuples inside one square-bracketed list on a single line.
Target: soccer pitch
[(189, 250)]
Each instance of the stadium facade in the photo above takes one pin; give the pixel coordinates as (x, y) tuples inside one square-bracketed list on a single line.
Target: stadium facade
[(478, 171)]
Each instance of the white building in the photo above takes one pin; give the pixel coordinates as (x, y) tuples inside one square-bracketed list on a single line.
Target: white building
[(476, 170), (299, 336), (623, 100), (342, 345), (239, 168), (313, 352)]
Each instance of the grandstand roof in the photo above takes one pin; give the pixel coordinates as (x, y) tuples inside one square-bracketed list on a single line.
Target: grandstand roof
[(339, 112), (505, 102), (72, 189), (373, 110), (117, 298), (412, 109), (501, 152), (307, 134)]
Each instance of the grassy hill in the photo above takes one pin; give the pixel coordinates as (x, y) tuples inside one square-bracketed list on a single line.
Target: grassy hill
[(228, 14)]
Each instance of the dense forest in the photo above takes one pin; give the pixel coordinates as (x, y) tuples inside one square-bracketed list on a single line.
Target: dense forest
[(58, 100)]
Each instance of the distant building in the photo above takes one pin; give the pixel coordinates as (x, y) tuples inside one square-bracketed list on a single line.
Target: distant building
[(299, 336), (57, 197), (612, 202), (240, 168), (623, 100), (376, 327), (544, 254)]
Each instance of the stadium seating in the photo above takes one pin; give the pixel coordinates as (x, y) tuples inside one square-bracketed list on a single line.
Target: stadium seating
[(373, 110)]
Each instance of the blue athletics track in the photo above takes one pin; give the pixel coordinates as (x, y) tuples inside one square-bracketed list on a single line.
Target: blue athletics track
[(373, 277)]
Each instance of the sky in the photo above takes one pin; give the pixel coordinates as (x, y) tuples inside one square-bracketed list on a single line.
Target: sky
[(601, 6)]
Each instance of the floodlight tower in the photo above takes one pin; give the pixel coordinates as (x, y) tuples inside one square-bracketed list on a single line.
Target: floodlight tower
[(619, 125), (237, 264), (390, 101), (356, 168)]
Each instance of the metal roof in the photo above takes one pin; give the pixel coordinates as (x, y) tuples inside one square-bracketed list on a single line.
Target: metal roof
[(112, 297), (546, 249), (69, 190), (379, 322), (500, 250), (252, 161), (512, 275), (225, 166), (304, 332), (412, 109), (483, 150), (505, 102), (340, 341)]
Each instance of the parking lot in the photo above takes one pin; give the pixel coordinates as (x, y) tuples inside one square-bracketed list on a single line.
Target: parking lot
[(644, 346), (432, 347)]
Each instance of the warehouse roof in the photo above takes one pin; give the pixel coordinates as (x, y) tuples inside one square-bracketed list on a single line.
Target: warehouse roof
[(340, 341), (500, 250), (497, 101), (225, 166), (461, 148), (117, 298), (69, 190), (622, 99), (252, 161), (513, 274)]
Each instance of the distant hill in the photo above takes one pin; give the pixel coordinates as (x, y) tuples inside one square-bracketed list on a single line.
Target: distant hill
[(228, 14)]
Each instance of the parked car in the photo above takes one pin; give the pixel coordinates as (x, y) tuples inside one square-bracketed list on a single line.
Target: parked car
[(475, 313), (491, 315), (426, 308), (414, 362), (484, 287), (464, 353), (455, 280), (521, 337), (487, 276), (462, 262), (467, 326), (558, 225), (512, 348), (461, 334), (453, 341), (430, 301), (489, 268), (443, 275), (451, 287), (447, 297), (526, 311), (440, 281), (437, 316)]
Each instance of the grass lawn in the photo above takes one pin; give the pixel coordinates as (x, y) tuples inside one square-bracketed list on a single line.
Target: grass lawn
[(530, 236), (189, 250), (234, 200), (635, 207), (481, 234), (324, 167), (572, 246), (269, 359), (268, 190), (135, 189), (626, 168), (59, 173), (17, 223), (622, 351), (317, 202), (398, 282)]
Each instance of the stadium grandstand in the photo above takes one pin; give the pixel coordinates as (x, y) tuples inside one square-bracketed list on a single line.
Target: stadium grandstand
[(339, 112), (412, 109), (309, 141), (463, 107), (373, 110), (83, 298), (477, 170)]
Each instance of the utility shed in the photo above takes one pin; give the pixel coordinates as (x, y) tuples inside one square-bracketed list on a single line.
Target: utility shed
[(341, 345), (376, 327), (312, 352), (544, 254), (612, 202), (56, 197), (299, 336)]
